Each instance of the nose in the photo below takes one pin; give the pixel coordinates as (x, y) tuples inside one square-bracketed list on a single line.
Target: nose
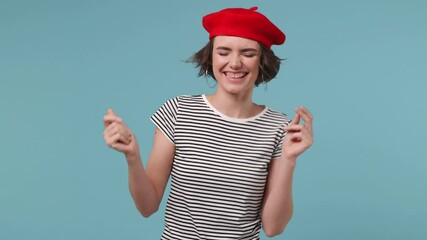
[(235, 61)]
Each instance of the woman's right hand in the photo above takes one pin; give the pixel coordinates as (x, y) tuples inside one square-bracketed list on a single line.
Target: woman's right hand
[(118, 136)]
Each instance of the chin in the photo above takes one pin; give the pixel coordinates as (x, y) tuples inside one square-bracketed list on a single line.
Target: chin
[(236, 89)]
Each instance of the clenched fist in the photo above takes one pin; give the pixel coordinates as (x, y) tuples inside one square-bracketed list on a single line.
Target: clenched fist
[(118, 136)]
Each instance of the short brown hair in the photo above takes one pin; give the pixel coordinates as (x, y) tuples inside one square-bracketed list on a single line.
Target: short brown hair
[(268, 68)]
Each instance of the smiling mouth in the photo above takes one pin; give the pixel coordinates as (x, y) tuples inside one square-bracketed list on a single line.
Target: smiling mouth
[(236, 75)]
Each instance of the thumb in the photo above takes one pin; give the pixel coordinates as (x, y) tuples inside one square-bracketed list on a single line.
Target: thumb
[(296, 119), (111, 117), (111, 112)]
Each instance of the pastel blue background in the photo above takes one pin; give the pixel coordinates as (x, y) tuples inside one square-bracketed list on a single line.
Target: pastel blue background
[(359, 66)]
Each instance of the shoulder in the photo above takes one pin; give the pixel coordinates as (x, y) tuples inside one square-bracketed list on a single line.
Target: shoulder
[(183, 101), (277, 117), (186, 98)]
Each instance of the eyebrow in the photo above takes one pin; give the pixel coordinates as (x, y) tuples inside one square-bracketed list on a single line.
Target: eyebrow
[(242, 50)]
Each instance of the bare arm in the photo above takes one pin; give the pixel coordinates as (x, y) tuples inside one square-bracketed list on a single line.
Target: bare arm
[(146, 186), (277, 207)]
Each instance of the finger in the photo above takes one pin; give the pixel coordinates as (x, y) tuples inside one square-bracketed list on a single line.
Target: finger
[(116, 128), (308, 120), (304, 109), (308, 117), (304, 115), (117, 138), (108, 119), (125, 139), (308, 136), (121, 147), (293, 128), (110, 111), (295, 136), (112, 129), (296, 119), (110, 140)]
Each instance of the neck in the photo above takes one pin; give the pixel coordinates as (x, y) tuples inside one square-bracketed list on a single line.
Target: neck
[(235, 106)]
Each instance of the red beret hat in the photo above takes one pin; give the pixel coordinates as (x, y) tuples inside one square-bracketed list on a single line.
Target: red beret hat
[(246, 23)]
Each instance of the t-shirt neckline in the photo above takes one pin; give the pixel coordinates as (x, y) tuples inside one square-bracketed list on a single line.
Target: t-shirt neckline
[(232, 119)]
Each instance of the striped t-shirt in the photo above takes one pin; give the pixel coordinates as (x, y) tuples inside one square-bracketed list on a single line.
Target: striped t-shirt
[(219, 169)]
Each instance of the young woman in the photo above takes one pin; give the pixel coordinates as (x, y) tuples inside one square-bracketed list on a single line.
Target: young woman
[(231, 160)]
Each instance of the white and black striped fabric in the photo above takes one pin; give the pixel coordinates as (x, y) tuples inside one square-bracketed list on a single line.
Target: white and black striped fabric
[(219, 170)]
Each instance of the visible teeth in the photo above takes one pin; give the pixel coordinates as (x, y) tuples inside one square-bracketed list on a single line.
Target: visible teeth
[(235, 75)]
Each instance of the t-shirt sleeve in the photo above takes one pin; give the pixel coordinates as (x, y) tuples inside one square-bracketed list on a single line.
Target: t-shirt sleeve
[(281, 136), (165, 118)]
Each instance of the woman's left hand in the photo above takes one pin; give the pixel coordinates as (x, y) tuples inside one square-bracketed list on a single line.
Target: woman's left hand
[(299, 137)]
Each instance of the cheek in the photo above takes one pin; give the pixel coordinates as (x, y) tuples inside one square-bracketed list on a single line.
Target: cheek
[(217, 65), (253, 65), (218, 62)]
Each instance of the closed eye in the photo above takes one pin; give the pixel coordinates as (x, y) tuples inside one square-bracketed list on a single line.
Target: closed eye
[(249, 52)]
